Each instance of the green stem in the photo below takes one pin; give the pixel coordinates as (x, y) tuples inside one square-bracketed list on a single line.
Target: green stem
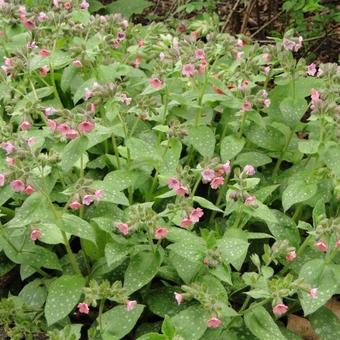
[(200, 99), (115, 149), (254, 305), (297, 213), (101, 307), (283, 151), (240, 133), (245, 304), (238, 218)]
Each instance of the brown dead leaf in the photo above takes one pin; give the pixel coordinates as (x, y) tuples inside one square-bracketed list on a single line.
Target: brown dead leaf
[(334, 306), (301, 327)]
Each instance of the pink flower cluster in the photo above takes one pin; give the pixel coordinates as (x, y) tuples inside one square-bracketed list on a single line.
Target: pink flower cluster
[(215, 177), (315, 96), (19, 186), (192, 218), (175, 184), (292, 45), (87, 199), (65, 130)]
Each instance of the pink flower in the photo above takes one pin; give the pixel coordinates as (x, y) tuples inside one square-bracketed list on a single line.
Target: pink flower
[(8, 147), (199, 53), (10, 161), (208, 175), (121, 36), (280, 309), (86, 126), (48, 111), (29, 190), (123, 228), (266, 70), (8, 62), (182, 191), (35, 234), (315, 96), (22, 11), (31, 141), (298, 45), (77, 63), (311, 69), (87, 199), (196, 214), (264, 94), (161, 232), (42, 16), (140, 43), (226, 168), (88, 94), (188, 70), (246, 106), (214, 322), (125, 24), (63, 128), (337, 244), (313, 293), (239, 43), (155, 83), (29, 24), (43, 71), (18, 185), (217, 182), (55, 3), (186, 223), (31, 45), (99, 194), (244, 85), (239, 55), (75, 205), (291, 256), (83, 308), (249, 170), (202, 66), (52, 124), (267, 102), (179, 298), (2, 180), (173, 183), (25, 125), (266, 57), (71, 134), (84, 5), (130, 305), (321, 245), (250, 200), (161, 56), (68, 5), (44, 53), (288, 44)]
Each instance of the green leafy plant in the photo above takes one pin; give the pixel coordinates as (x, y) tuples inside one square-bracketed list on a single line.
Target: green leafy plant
[(159, 184)]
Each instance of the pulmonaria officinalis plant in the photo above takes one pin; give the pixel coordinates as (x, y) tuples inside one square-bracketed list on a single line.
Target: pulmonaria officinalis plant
[(163, 184)]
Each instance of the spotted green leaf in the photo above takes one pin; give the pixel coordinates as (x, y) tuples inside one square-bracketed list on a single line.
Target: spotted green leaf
[(63, 295), (261, 324), (233, 250), (298, 191), (191, 323), (117, 322), (203, 140), (141, 270), (316, 274), (75, 225), (73, 151), (231, 146), (325, 324)]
